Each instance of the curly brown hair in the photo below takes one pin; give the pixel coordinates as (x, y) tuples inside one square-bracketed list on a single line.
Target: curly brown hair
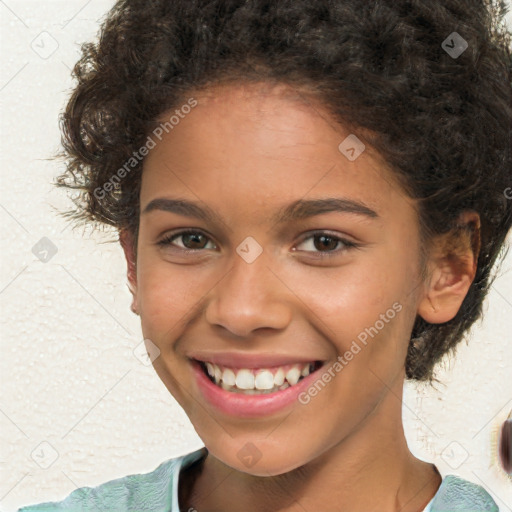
[(441, 121)]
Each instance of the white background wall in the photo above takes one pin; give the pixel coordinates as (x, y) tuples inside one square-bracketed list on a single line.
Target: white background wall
[(68, 376)]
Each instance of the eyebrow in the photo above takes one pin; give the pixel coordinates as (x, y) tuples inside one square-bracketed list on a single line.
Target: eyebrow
[(300, 209)]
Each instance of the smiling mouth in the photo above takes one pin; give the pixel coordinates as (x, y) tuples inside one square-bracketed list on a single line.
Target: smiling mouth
[(250, 381)]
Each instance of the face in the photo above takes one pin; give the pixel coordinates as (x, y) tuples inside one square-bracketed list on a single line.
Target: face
[(282, 257)]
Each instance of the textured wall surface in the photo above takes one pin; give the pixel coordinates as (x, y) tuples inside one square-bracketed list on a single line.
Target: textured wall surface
[(68, 375)]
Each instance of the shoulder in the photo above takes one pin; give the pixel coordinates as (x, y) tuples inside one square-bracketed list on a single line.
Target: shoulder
[(151, 492), (456, 494)]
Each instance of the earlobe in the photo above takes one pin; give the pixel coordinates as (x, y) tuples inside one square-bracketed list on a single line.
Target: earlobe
[(453, 267), (127, 242)]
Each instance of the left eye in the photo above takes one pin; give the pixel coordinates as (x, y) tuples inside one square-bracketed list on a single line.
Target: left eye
[(325, 243)]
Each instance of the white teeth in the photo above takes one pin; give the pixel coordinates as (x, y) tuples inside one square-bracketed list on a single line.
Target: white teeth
[(245, 379), (305, 371), (293, 376), (279, 377), (228, 377), (264, 380), (218, 374)]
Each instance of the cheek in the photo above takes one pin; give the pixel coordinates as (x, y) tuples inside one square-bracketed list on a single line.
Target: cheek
[(165, 297), (364, 307), (351, 295)]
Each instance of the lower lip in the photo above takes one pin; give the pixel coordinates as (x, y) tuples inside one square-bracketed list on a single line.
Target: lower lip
[(249, 406)]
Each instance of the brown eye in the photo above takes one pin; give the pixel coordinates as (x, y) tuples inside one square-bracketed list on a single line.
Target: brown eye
[(324, 244), (191, 240)]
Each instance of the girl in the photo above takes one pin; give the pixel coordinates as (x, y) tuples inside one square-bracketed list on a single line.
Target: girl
[(310, 197)]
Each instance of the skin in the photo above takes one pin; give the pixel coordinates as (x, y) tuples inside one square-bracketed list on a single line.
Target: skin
[(245, 151)]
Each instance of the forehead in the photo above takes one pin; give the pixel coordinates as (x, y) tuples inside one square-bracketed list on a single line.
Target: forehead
[(264, 144)]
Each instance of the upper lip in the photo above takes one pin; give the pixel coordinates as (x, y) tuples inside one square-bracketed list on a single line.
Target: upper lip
[(247, 360)]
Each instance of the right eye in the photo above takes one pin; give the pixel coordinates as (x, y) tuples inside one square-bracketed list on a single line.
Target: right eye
[(192, 241)]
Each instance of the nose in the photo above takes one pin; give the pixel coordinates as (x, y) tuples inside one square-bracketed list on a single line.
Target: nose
[(249, 297)]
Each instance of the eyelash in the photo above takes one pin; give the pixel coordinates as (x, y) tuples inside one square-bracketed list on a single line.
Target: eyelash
[(168, 239)]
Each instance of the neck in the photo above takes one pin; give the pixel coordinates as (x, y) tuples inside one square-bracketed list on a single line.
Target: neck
[(371, 469)]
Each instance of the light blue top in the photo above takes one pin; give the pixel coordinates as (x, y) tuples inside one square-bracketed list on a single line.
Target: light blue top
[(158, 492)]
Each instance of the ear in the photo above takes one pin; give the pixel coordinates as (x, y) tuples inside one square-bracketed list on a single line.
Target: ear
[(452, 267), (127, 240)]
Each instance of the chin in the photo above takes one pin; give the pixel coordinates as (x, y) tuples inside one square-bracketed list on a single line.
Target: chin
[(263, 461)]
